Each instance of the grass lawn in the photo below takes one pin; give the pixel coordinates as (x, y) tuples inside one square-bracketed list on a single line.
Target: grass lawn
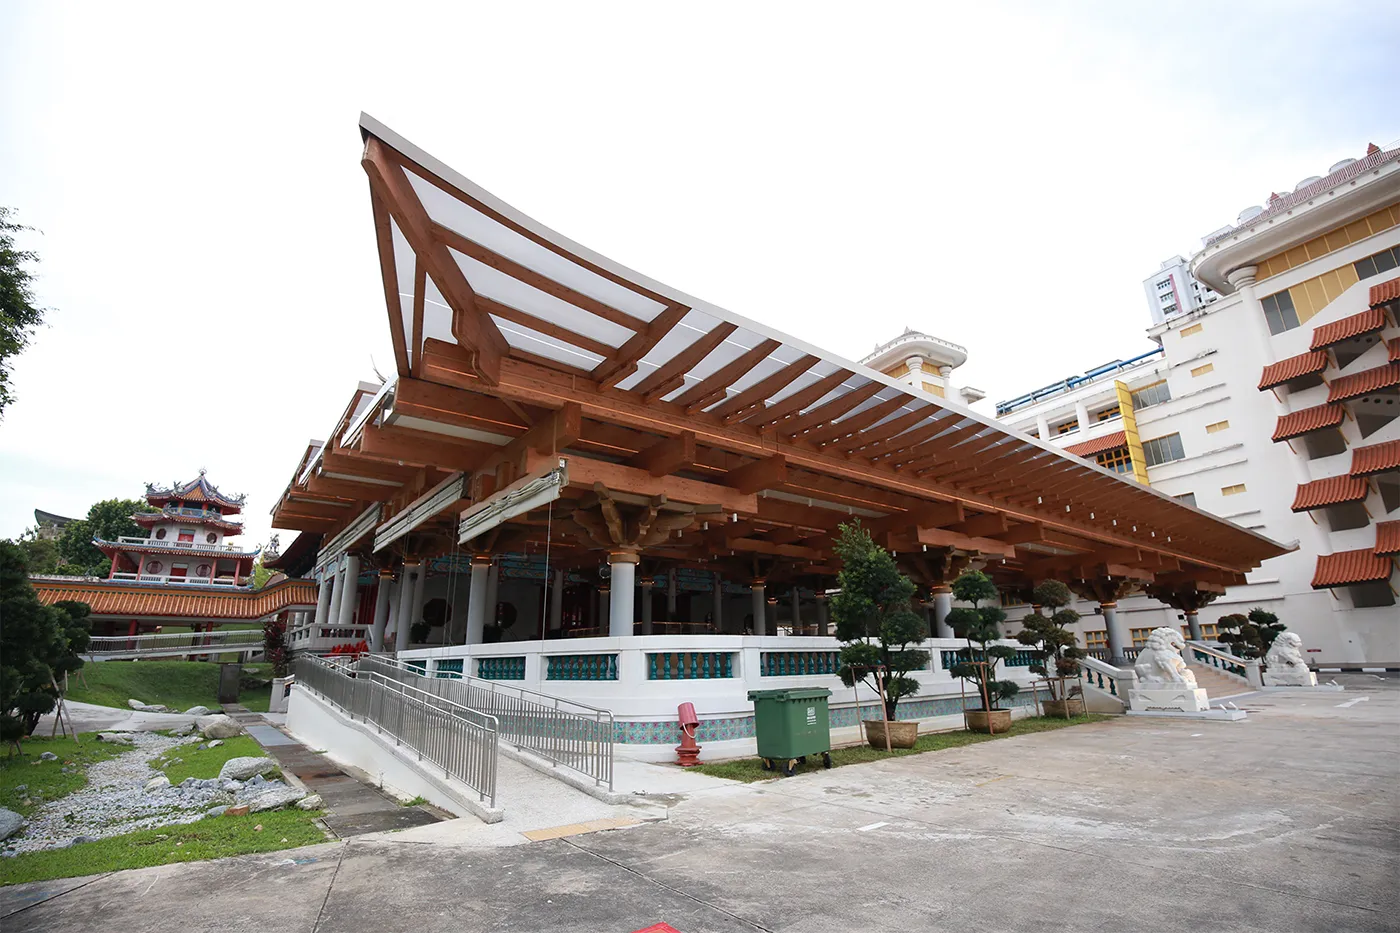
[(177, 684), (45, 780), (206, 762), (751, 769), (214, 837)]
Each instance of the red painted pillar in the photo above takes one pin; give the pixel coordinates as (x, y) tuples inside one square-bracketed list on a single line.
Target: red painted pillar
[(112, 572)]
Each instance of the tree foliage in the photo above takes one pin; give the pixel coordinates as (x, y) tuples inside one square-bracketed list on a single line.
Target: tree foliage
[(275, 645), (39, 645), (108, 520), (19, 315), (1250, 636), (874, 619), (979, 625), (1054, 647), (40, 554)]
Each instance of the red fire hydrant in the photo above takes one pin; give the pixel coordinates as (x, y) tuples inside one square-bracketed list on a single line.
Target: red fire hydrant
[(687, 753)]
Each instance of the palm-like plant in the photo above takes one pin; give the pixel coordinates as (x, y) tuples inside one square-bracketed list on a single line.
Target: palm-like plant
[(979, 626), (1053, 646)]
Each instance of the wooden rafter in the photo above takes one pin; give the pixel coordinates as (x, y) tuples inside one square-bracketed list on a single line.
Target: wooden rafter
[(713, 386), (667, 378)]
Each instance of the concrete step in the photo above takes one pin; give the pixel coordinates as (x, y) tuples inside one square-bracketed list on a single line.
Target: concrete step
[(1215, 683)]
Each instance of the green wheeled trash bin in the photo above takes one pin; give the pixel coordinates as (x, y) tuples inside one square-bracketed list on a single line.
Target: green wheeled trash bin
[(790, 725)]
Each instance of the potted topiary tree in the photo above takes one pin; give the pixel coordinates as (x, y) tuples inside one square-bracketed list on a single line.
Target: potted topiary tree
[(1054, 647), (876, 626), (1250, 636), (980, 659)]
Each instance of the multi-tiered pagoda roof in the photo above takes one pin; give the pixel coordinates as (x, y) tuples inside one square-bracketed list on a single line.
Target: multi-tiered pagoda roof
[(197, 492)]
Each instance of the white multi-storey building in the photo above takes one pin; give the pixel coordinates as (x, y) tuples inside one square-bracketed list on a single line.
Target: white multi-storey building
[(1173, 290), (1274, 406), (925, 363)]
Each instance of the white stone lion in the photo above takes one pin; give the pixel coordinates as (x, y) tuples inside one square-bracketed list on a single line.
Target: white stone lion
[(1286, 663), (1161, 663)]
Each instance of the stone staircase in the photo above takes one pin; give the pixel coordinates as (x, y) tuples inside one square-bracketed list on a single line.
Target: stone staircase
[(1217, 684)]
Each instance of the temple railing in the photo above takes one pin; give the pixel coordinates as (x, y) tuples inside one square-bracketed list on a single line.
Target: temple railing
[(135, 542), (1244, 670), (168, 579), (177, 644), (1106, 678), (462, 741)]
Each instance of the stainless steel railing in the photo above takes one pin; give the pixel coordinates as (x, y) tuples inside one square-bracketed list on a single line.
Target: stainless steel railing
[(463, 742), (563, 732), (177, 643)]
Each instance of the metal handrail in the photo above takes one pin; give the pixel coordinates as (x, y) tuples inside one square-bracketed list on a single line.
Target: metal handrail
[(463, 742), (1223, 661), (101, 646), (563, 732)]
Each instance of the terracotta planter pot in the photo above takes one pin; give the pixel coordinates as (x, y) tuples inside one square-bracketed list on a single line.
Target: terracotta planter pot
[(991, 722), (902, 734), (1057, 707)]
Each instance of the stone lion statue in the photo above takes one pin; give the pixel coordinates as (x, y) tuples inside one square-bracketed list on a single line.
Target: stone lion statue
[(1161, 663), (1285, 657)]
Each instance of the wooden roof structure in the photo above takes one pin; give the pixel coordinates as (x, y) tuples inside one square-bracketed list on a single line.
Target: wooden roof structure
[(690, 433)]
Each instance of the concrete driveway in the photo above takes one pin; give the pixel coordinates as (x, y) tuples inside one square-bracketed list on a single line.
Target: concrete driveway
[(1289, 821)]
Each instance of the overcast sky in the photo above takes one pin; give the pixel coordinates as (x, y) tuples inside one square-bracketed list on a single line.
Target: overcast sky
[(999, 175)]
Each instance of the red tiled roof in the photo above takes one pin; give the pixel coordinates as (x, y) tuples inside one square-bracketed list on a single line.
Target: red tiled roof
[(1392, 349), (1298, 423), (171, 547), (1388, 538), (1386, 291), (1372, 160), (1098, 444), (1360, 566), (1304, 364), (1375, 458), (134, 599), (1364, 322), (1364, 382), (1332, 491)]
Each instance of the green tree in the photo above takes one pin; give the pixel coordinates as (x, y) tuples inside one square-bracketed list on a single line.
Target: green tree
[(261, 574), (978, 625), (108, 520), (873, 618), (19, 316), (38, 645), (40, 554), (1250, 636), (1053, 646)]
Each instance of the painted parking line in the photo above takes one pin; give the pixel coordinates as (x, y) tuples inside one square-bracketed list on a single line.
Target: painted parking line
[(1350, 703), (866, 829)]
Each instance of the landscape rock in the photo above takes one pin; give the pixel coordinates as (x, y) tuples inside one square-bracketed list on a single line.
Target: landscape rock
[(157, 783), (148, 707), (314, 802), (257, 779), (240, 810), (275, 799), (216, 743), (116, 738), (49, 756), (21, 788), (231, 786), (241, 769), (10, 823), (136, 704), (218, 727), (215, 811), (198, 711)]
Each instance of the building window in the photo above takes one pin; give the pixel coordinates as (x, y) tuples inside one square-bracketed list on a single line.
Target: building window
[(1094, 640), (1108, 413), (1169, 309), (1165, 283), (1066, 427), (1153, 394), (1217, 427), (1188, 497), (186, 536), (1140, 637), (1196, 329), (1163, 449), (1116, 460), (1209, 632), (1234, 490), (1202, 370), (1279, 312), (1377, 263)]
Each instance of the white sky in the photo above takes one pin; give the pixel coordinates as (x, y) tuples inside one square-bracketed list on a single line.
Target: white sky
[(1003, 177)]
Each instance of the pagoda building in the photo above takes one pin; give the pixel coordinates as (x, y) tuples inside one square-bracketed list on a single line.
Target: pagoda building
[(186, 543)]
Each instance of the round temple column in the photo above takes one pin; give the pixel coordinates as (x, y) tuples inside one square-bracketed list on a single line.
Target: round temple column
[(1193, 622), (645, 587), (337, 591), (942, 605), (717, 600), (671, 595), (1117, 639), (823, 617), (350, 601), (624, 592), (381, 610), (419, 591), (556, 603), (405, 611), (476, 599), (323, 598), (760, 608), (796, 611), (493, 591), (604, 595)]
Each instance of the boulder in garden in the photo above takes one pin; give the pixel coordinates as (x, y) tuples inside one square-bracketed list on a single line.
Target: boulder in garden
[(218, 727), (241, 769)]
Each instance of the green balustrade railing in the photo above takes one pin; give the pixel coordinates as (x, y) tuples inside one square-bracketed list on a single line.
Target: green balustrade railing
[(451, 667), (581, 667), (950, 656), (1214, 660), (501, 668), (798, 663), (690, 665)]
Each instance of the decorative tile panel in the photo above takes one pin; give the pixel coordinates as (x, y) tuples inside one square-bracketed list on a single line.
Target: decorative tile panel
[(501, 668), (581, 667)]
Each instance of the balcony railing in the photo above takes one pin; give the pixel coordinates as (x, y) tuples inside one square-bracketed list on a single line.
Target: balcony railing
[(173, 580), (132, 541), (186, 512)]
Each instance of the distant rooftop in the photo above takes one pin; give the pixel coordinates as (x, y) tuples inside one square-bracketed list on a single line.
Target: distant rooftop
[(1074, 382), (944, 351)]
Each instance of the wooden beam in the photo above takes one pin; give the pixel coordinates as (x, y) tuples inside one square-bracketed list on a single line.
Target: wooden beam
[(835, 408), (402, 445), (388, 273), (667, 456), (755, 546), (345, 489), (759, 474), (985, 525), (851, 424), (348, 463), (584, 472), (548, 328), (666, 378), (881, 432), (474, 331), (732, 408), (623, 362), (932, 515), (707, 390), (797, 400), (1022, 534), (458, 407), (892, 446)]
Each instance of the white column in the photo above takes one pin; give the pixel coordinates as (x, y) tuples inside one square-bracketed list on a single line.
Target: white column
[(760, 609), (645, 587), (418, 590), (338, 575), (1117, 635), (323, 597), (624, 592), (381, 610), (476, 599), (1042, 427), (796, 611), (493, 587), (1081, 412), (405, 608), (942, 605), (717, 610), (556, 603), (351, 600)]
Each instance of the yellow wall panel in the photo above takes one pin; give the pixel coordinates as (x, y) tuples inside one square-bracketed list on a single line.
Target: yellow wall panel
[(1130, 431), (932, 389), (1331, 241)]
